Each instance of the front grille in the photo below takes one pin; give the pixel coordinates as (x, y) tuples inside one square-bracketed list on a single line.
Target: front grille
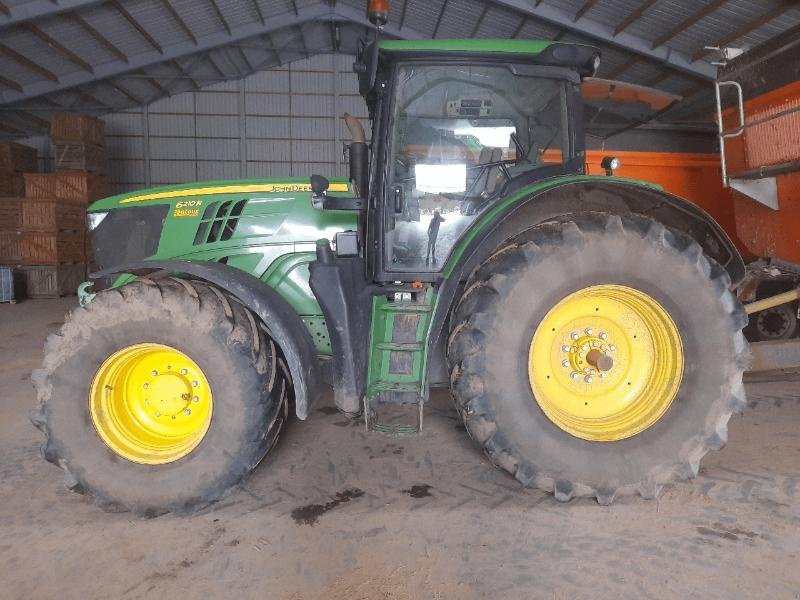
[(127, 235)]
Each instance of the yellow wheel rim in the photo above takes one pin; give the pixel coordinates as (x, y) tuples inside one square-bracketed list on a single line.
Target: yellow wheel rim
[(150, 403), (605, 363)]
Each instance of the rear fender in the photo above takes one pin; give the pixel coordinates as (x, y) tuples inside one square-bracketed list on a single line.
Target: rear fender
[(284, 325), (595, 194)]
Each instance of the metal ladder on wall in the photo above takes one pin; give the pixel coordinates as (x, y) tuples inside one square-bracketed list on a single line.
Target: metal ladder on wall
[(760, 183)]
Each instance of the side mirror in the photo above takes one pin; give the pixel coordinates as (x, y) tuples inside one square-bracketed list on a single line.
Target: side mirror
[(319, 185), (319, 190)]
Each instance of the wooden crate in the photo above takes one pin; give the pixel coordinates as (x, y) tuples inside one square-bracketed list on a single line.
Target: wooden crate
[(10, 247), (12, 184), (43, 281), (19, 158), (80, 187), (46, 248), (74, 156), (50, 214), (40, 185), (74, 127), (10, 213)]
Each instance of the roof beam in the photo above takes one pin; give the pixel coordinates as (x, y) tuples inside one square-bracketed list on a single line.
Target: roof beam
[(746, 28), (307, 13), (220, 16), (666, 56), (10, 83), (688, 22), (124, 91), (179, 20), (587, 6), (634, 16), (40, 9), (99, 37), (31, 118), (479, 22), (258, 10), (58, 47), (136, 25), (28, 63)]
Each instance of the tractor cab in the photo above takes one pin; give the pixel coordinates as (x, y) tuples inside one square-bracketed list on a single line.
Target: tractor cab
[(458, 125)]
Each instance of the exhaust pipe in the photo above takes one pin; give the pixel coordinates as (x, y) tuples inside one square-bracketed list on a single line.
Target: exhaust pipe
[(359, 156)]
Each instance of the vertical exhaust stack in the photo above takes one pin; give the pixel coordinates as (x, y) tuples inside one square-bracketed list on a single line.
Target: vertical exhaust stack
[(359, 156)]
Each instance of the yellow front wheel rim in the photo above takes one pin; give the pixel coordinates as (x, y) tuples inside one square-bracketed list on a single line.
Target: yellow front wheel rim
[(605, 363), (150, 403)]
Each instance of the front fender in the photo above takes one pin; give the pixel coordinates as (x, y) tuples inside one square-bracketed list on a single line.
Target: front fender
[(283, 323)]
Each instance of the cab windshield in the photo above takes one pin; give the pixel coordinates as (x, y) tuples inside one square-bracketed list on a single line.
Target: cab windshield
[(459, 134)]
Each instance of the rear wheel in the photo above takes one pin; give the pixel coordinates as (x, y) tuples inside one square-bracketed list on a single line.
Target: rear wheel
[(598, 356), (160, 396)]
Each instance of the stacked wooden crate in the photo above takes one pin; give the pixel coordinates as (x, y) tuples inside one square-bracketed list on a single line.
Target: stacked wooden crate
[(15, 160), (78, 143), (81, 159), (44, 233)]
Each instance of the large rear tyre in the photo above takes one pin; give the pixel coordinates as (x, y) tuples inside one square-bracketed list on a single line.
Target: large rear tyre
[(160, 396), (598, 356)]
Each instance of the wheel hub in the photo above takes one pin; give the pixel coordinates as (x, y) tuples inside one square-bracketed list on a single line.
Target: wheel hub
[(150, 403), (589, 355), (605, 363)]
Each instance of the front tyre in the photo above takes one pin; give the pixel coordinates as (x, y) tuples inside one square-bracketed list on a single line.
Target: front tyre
[(598, 356), (160, 396)]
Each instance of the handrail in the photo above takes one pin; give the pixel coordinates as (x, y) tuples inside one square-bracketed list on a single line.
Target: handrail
[(722, 134)]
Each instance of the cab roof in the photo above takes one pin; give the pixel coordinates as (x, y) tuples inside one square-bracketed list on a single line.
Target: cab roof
[(468, 45)]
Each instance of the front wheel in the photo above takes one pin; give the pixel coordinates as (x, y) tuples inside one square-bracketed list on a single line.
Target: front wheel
[(160, 396), (598, 356)]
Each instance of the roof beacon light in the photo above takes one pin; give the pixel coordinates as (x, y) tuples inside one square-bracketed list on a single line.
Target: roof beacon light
[(378, 12)]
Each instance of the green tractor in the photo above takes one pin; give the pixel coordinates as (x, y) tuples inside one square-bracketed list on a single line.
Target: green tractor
[(584, 325)]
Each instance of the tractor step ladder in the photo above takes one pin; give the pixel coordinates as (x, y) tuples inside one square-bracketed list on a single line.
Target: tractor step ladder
[(397, 374)]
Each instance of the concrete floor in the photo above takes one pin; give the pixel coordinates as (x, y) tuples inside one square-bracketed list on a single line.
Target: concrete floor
[(734, 532)]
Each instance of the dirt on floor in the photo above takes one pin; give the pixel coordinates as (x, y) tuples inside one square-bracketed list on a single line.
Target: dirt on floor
[(338, 513)]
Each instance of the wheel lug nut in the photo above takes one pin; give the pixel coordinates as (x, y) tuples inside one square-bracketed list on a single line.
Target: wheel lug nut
[(602, 375), (565, 348), (575, 375), (146, 385), (187, 412), (565, 363), (194, 384), (603, 335), (153, 372), (158, 414), (184, 371), (588, 379), (195, 399), (574, 335), (612, 347), (588, 331)]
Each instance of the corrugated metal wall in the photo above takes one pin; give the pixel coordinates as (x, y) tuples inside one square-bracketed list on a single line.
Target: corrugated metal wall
[(279, 122)]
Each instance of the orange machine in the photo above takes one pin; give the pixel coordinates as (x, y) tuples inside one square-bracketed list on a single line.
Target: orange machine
[(695, 177)]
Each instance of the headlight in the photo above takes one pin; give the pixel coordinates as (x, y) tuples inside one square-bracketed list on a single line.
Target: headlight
[(94, 219)]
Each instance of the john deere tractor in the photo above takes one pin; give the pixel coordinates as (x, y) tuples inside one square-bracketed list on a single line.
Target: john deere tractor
[(583, 324)]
